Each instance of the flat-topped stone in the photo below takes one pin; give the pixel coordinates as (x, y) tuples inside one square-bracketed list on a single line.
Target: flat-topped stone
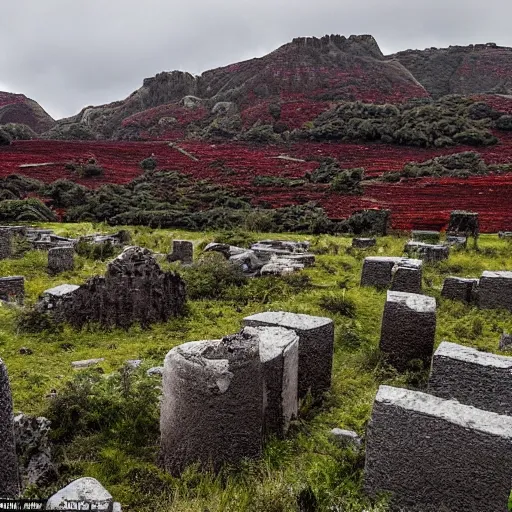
[(61, 290), (419, 235), (433, 454), (460, 288), (316, 345), (407, 276), (378, 271), (472, 377), (427, 252), (279, 354), (61, 259), (495, 290), (413, 301)]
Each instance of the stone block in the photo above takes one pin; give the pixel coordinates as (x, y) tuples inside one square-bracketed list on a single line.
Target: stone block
[(437, 455), (6, 238), (316, 346), (460, 288), (505, 342), (378, 271), (432, 237), (475, 378), (407, 276), (505, 234), (12, 289), (212, 407), (408, 328), (279, 354), (9, 480), (427, 252), (344, 438), (61, 259), (456, 241), (182, 250), (495, 290), (363, 243)]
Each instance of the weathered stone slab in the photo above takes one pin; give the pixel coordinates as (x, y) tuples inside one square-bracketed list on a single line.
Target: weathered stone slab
[(495, 290), (12, 289), (182, 250), (464, 223), (432, 237), (408, 328), (212, 408), (460, 288), (363, 243), (9, 481), (378, 271), (61, 259), (456, 241), (279, 354), (427, 252), (407, 276), (505, 234), (316, 345), (475, 378), (434, 455)]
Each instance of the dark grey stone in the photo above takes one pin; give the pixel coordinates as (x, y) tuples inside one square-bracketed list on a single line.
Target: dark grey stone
[(12, 289), (505, 342), (426, 236), (279, 354), (459, 288), (61, 259), (437, 455), (6, 237), (505, 234), (378, 271), (156, 371), (9, 479), (456, 241), (182, 250), (316, 345), (407, 276), (427, 252), (495, 290), (212, 408), (408, 328), (363, 243), (474, 378)]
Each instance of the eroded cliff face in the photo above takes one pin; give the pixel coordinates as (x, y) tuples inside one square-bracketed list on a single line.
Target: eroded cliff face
[(473, 69), (17, 108)]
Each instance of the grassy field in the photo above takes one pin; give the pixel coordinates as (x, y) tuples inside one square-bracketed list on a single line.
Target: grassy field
[(113, 434)]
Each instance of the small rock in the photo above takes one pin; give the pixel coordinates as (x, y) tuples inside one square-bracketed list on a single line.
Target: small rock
[(24, 351), (155, 371), (345, 438), (86, 363)]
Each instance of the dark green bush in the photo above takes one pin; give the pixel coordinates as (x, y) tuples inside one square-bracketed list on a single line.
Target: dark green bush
[(32, 321), (348, 182), (338, 304), (5, 138), (29, 210), (66, 193), (504, 123), (149, 164), (19, 131)]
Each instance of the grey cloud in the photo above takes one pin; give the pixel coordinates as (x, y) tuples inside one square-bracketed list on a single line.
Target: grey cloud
[(69, 54)]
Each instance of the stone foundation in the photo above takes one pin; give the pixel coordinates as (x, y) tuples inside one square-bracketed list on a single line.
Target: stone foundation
[(408, 328), (427, 252), (434, 455)]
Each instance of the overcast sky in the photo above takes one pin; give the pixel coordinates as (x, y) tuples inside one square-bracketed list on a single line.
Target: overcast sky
[(67, 54)]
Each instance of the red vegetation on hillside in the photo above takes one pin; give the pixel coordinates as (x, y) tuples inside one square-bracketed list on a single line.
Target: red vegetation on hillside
[(415, 203)]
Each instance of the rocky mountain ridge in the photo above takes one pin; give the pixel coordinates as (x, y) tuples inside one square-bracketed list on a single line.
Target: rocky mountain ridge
[(17, 108)]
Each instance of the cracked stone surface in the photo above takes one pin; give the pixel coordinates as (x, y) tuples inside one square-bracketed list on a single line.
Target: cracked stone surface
[(495, 290)]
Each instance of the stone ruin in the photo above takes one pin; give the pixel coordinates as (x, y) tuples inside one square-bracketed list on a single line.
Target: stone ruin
[(223, 398), (61, 259), (134, 289), (464, 223), (212, 408), (267, 257), (495, 290), (9, 480), (427, 252), (474, 378), (408, 328), (363, 243), (434, 454), (12, 289), (7, 238), (460, 288), (456, 241), (183, 251), (400, 274), (316, 346)]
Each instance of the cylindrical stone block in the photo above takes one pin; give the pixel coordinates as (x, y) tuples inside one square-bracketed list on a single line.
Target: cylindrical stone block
[(279, 354), (182, 250), (212, 408), (9, 478), (316, 345), (61, 259), (408, 328)]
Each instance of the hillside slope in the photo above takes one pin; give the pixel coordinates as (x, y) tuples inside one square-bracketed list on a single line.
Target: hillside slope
[(17, 108)]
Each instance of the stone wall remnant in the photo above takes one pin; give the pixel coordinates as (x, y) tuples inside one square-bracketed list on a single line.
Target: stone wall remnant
[(12, 289), (212, 408), (9, 480), (407, 276), (61, 259), (279, 355), (363, 243), (433, 454), (460, 288), (408, 328), (427, 252), (183, 251), (316, 346), (495, 290), (475, 378), (134, 290)]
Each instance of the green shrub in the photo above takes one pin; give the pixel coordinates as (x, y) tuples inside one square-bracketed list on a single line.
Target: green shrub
[(504, 123), (66, 193), (98, 252), (29, 210), (348, 182), (19, 131), (5, 138), (32, 321), (338, 304), (149, 164)]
